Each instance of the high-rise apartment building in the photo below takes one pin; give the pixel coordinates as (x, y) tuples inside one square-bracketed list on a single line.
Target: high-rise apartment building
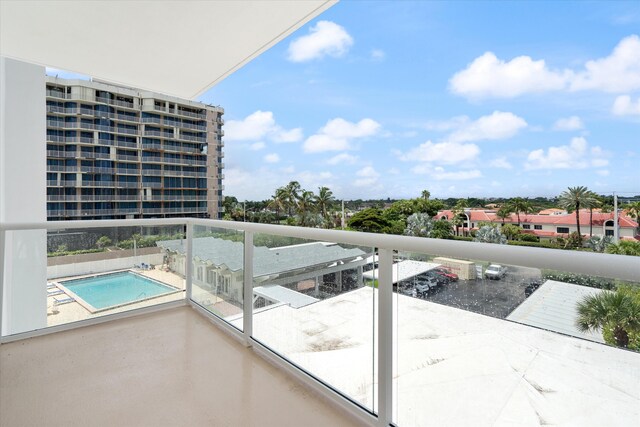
[(115, 152)]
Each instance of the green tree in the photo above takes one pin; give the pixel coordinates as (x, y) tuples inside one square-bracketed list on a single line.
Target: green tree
[(305, 207), (419, 225), (490, 234), (291, 194), (575, 198), (504, 212), (370, 220), (624, 247), (323, 200), (459, 215), (592, 203), (519, 205), (616, 311), (599, 243), (442, 229), (103, 242), (511, 231), (278, 202), (426, 194)]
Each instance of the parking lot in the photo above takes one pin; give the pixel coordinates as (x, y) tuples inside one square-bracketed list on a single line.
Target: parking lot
[(496, 298)]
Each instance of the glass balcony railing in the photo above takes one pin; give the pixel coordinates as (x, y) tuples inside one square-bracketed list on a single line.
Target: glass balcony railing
[(411, 331)]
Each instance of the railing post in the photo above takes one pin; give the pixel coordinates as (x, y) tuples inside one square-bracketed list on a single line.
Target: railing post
[(247, 298), (385, 336), (188, 268), (2, 270)]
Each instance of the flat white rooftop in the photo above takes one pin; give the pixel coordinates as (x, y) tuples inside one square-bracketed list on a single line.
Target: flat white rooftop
[(404, 270), (457, 368)]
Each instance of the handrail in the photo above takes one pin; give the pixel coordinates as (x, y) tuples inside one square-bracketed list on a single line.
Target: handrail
[(595, 264)]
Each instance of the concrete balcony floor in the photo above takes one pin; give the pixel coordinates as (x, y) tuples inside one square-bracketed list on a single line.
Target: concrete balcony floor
[(172, 367)]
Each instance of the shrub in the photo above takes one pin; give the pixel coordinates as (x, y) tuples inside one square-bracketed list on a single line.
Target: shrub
[(524, 237), (579, 279)]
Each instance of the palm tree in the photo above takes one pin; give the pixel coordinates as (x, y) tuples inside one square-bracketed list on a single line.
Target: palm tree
[(459, 215), (573, 198), (278, 202), (291, 191), (519, 205), (593, 203), (323, 201), (504, 212), (426, 194), (633, 210), (615, 310), (305, 206)]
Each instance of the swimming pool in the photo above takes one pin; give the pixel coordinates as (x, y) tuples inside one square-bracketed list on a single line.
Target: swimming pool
[(112, 290)]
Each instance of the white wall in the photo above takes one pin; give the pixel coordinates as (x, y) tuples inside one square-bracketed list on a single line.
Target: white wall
[(23, 194)]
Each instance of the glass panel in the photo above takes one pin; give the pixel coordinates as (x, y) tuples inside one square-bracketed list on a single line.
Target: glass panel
[(218, 272), (63, 276), (480, 343), (311, 305)]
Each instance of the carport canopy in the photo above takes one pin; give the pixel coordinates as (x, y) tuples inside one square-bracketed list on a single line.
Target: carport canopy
[(404, 270)]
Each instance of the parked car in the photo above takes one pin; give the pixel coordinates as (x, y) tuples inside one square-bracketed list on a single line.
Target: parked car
[(495, 271), (439, 278), (424, 286), (445, 272)]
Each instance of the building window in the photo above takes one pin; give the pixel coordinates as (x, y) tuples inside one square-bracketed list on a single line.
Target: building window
[(210, 277), (563, 230), (608, 233), (526, 226), (537, 227), (199, 273)]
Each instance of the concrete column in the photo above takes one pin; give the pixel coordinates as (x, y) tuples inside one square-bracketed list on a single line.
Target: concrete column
[(23, 194), (317, 288), (360, 280), (339, 280)]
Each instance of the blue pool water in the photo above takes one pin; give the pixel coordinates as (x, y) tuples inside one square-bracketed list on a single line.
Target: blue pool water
[(116, 289)]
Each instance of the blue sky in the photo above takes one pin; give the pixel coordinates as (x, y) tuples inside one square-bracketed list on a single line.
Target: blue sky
[(384, 99)]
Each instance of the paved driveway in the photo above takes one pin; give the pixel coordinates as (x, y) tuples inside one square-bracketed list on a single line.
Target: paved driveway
[(496, 298)]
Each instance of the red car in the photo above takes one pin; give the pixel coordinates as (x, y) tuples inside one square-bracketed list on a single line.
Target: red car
[(444, 272)]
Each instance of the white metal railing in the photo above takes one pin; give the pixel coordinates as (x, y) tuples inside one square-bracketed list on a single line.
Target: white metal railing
[(601, 265)]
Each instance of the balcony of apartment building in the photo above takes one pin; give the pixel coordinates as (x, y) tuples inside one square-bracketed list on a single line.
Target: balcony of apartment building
[(235, 323)]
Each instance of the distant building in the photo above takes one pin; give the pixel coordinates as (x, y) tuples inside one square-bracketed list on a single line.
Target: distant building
[(115, 152), (550, 226)]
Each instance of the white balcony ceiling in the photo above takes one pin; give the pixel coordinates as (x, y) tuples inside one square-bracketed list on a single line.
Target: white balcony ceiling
[(179, 48)]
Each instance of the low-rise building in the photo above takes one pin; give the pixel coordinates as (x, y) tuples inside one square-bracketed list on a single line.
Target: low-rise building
[(549, 226), (218, 266)]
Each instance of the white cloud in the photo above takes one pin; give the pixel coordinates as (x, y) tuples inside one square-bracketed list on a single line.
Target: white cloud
[(489, 76), (442, 152), (498, 125), (603, 172), (576, 155), (260, 125), (338, 133), (326, 38), (343, 158), (624, 106), (272, 158), (618, 72), (257, 146), (500, 163), (446, 125), (367, 176), (285, 136), (568, 124), (378, 55), (440, 174)]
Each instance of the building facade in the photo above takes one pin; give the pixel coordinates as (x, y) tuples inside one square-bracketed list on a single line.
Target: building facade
[(551, 226), (115, 152)]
